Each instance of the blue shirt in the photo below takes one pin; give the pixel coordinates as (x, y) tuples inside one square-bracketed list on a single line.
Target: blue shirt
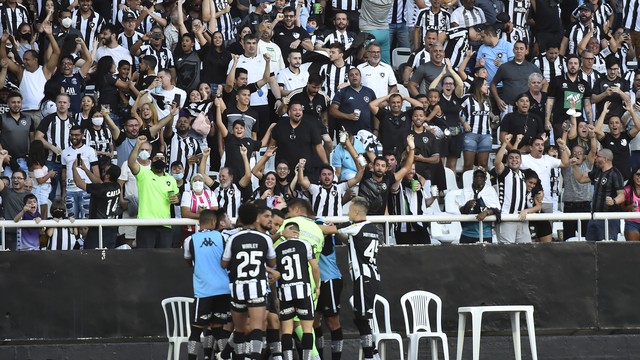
[(503, 51), (209, 278), (328, 263), (342, 159), (349, 99)]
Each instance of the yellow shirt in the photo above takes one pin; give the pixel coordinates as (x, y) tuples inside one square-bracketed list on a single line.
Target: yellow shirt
[(153, 194)]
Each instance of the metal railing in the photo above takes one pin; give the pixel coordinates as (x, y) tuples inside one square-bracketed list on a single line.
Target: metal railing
[(380, 219)]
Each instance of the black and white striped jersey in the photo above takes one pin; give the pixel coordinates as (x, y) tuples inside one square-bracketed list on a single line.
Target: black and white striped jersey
[(346, 5), (90, 27), (550, 69), (476, 115), (12, 18), (397, 13), (589, 78), (164, 56), (421, 57), (328, 201), (427, 20), (345, 37), (456, 45), (363, 248), (600, 16), (512, 191), (631, 15), (518, 10), (333, 76), (228, 199), (56, 131), (182, 148), (405, 201), (62, 239), (247, 253), (98, 140), (292, 261), (225, 22), (517, 33), (576, 33), (621, 54)]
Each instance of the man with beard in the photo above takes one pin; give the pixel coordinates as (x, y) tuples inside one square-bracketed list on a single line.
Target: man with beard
[(89, 22), (521, 121), (427, 154), (575, 34), (612, 89), (110, 46), (105, 194), (157, 191), (162, 53), (340, 35), (288, 36), (73, 82), (377, 75), (17, 130), (566, 89), (266, 46), (228, 193), (550, 62), (617, 139), (577, 196), (294, 76), (392, 125), (376, 185), (317, 104), (350, 106), (297, 139), (77, 199)]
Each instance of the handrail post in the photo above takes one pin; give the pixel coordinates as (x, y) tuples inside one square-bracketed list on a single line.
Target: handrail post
[(386, 233), (2, 246), (100, 237), (579, 230), (481, 231), (606, 229)]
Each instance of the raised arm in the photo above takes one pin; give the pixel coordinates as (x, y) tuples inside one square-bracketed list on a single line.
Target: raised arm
[(598, 130), (499, 165), (581, 177), (222, 127), (636, 128), (231, 77), (133, 157), (165, 122), (564, 153), (246, 179), (52, 62), (11, 65), (411, 147), (202, 167), (86, 56), (302, 180), (259, 167)]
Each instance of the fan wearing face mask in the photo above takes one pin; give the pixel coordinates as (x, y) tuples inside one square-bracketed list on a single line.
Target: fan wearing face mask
[(194, 201), (99, 138), (157, 190)]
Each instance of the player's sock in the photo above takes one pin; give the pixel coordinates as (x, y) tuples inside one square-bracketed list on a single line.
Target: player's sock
[(287, 346), (238, 350), (207, 344), (192, 345), (336, 344), (307, 345), (319, 341), (229, 348), (220, 338), (255, 349), (366, 339), (273, 338)]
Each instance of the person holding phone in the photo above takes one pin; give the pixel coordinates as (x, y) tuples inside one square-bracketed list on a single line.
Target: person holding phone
[(78, 199)]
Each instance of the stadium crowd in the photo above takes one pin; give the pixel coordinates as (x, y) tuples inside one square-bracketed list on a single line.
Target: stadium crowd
[(152, 110)]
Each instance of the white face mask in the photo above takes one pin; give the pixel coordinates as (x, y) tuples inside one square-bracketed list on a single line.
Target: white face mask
[(97, 121), (197, 186), (144, 155), (268, 8), (66, 23), (178, 177)]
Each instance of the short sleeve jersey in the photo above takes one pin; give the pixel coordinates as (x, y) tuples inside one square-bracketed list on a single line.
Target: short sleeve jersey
[(247, 253), (363, 249), (104, 200), (153, 194), (292, 257)]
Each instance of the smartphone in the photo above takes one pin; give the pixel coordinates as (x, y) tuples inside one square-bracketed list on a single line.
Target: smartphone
[(176, 99), (79, 158)]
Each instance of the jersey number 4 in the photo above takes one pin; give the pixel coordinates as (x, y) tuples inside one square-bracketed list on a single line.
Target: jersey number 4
[(249, 259), (371, 252)]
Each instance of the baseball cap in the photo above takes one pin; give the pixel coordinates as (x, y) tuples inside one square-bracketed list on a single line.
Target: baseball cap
[(128, 16), (586, 6)]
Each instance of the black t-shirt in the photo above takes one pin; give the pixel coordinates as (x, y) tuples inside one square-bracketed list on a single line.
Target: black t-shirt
[(313, 107), (620, 149), (538, 108), (104, 200), (298, 143), (109, 92), (376, 193), (530, 125), (393, 130), (605, 183), (215, 66), (234, 157), (601, 86), (451, 110), (563, 90), (283, 37)]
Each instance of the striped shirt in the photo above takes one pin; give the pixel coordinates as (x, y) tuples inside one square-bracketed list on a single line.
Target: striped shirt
[(577, 32), (225, 22), (512, 191), (182, 148), (397, 13), (475, 115), (12, 18), (427, 20), (346, 5), (62, 239), (518, 10), (292, 259), (623, 49), (421, 57), (328, 201), (408, 202), (550, 69), (345, 37), (411, 10), (601, 15), (363, 249), (468, 18), (127, 42), (56, 132), (89, 27), (98, 140), (228, 199), (333, 76), (516, 34), (456, 45), (590, 78), (164, 56), (631, 15)]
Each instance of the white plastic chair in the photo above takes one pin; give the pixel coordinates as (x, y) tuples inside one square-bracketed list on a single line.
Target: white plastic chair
[(379, 338), (450, 177), (420, 326), (451, 204), (178, 324), (398, 56)]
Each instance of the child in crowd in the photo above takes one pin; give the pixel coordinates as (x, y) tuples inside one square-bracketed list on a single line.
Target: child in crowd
[(61, 238), (41, 174), (29, 238)]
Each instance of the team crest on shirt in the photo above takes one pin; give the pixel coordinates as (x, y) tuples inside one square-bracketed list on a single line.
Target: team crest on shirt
[(334, 193), (383, 186), (561, 67), (230, 192), (623, 142), (296, 35), (382, 74), (564, 85), (425, 140), (318, 109), (500, 56), (168, 183), (91, 25), (366, 99), (74, 81), (164, 57), (23, 122), (603, 181), (580, 87)]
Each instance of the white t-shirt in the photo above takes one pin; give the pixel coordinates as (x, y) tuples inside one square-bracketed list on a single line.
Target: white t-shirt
[(69, 155), (255, 70), (118, 53), (378, 78), (277, 62), (164, 106), (291, 81), (542, 167)]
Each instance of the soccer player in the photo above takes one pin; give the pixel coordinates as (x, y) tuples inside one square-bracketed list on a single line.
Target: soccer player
[(293, 257), (247, 255), (203, 250), (363, 251)]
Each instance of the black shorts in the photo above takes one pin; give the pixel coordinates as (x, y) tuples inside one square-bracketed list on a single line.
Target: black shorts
[(364, 293), (212, 310), (302, 308), (329, 301), (272, 304), (542, 228), (452, 146)]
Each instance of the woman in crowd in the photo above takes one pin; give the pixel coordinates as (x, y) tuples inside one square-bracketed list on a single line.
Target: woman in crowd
[(41, 175), (535, 195), (217, 61), (147, 116), (88, 108), (108, 83), (52, 89), (98, 137), (631, 201), (236, 47), (195, 200), (476, 111)]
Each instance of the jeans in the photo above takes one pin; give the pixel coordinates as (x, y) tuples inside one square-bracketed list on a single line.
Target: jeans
[(78, 204), (57, 167), (595, 230), (399, 35)]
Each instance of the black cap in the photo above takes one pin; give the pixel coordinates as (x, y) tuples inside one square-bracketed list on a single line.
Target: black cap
[(128, 16), (503, 18), (586, 6)]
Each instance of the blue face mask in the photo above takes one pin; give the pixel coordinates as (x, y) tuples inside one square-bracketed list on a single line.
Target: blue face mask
[(310, 29)]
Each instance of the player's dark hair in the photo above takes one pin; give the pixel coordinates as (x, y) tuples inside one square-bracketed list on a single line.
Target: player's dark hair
[(113, 172), (297, 203), (247, 214), (208, 216), (315, 79)]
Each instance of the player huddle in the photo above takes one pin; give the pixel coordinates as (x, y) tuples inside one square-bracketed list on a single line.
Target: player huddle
[(267, 283)]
